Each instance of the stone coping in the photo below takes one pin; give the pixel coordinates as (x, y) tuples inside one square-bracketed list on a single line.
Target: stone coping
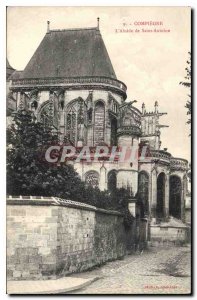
[(55, 201), (184, 226)]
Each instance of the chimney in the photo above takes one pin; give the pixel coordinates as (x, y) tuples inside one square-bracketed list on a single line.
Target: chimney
[(98, 19), (48, 26)]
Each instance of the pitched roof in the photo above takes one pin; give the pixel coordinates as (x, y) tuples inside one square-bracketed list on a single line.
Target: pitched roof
[(16, 75), (70, 53), (8, 66), (9, 69)]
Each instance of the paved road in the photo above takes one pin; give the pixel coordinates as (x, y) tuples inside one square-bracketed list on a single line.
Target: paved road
[(158, 270)]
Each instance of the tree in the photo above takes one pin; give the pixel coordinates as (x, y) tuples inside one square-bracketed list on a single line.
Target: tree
[(187, 84), (27, 172)]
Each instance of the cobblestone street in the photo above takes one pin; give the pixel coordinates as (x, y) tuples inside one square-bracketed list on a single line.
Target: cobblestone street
[(158, 270)]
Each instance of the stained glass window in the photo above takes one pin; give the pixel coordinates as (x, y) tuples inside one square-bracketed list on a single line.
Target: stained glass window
[(45, 115), (76, 116), (72, 122), (99, 123)]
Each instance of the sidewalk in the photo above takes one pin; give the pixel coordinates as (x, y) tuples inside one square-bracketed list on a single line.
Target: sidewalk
[(57, 286)]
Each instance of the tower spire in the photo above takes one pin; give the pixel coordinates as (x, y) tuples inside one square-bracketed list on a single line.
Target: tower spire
[(156, 107), (143, 108), (98, 20)]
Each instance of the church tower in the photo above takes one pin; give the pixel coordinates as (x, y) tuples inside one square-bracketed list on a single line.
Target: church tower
[(129, 131), (151, 127)]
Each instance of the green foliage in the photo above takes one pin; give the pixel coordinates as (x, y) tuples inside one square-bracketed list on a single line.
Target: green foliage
[(29, 174), (187, 84)]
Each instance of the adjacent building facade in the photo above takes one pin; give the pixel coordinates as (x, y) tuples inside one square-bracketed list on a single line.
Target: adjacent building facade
[(70, 84)]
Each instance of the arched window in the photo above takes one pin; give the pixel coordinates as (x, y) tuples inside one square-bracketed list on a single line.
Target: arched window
[(44, 115), (113, 131), (160, 208), (72, 124), (143, 191), (112, 181), (92, 178), (99, 122), (175, 196), (75, 116)]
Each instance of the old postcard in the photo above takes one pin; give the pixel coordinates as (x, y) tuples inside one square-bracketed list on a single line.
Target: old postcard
[(98, 150)]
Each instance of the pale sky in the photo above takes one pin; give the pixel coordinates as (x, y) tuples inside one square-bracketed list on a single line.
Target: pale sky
[(150, 64)]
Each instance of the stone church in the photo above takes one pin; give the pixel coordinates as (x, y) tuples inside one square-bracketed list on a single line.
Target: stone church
[(70, 84)]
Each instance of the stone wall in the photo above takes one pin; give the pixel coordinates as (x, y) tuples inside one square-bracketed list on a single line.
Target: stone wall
[(188, 216), (169, 234), (48, 238), (109, 237)]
